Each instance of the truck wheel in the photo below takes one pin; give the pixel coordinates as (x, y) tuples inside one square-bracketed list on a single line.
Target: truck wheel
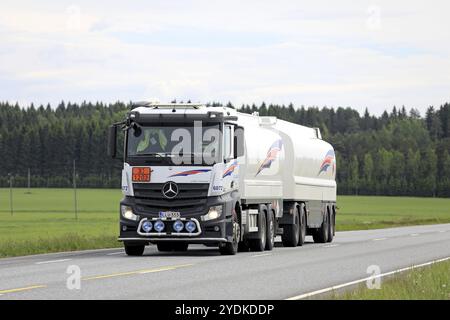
[(330, 227), (270, 234), (260, 243), (334, 221), (231, 248), (290, 236), (134, 250), (321, 235), (302, 227)]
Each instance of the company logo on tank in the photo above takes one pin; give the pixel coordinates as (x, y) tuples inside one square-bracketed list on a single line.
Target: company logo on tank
[(272, 154), (327, 162)]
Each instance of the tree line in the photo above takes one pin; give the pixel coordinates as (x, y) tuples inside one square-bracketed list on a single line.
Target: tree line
[(397, 153)]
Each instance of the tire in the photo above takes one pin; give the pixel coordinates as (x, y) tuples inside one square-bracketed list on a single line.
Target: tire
[(136, 250), (302, 226), (334, 221), (270, 231), (291, 234), (243, 246), (260, 243), (321, 234), (331, 226), (231, 248)]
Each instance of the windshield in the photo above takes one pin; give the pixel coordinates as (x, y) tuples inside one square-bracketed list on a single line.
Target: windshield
[(175, 145)]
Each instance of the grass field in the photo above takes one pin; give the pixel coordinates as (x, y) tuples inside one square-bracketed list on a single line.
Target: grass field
[(431, 283), (372, 212), (44, 220)]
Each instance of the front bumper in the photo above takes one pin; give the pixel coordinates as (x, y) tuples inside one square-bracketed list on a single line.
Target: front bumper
[(187, 240), (208, 232)]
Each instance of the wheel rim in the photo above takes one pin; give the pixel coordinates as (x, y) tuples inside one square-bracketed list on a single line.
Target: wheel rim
[(236, 233), (303, 226), (272, 232)]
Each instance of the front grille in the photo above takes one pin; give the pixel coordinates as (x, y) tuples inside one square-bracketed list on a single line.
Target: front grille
[(191, 198)]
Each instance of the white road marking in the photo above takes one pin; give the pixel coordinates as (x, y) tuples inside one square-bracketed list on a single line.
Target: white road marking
[(442, 231), (414, 234), (313, 293), (53, 261), (114, 253), (379, 239), (330, 246), (261, 255)]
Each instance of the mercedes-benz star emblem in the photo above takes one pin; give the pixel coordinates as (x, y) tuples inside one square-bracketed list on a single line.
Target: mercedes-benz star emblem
[(170, 190)]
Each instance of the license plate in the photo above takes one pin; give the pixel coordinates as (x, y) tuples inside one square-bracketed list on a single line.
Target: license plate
[(169, 214)]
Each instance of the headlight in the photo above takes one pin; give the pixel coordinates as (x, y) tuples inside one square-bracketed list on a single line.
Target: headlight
[(214, 213), (127, 213)]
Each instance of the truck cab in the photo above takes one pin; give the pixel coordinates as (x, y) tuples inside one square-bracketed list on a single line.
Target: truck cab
[(180, 176)]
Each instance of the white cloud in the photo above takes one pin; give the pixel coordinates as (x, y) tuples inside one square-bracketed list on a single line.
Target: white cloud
[(359, 54)]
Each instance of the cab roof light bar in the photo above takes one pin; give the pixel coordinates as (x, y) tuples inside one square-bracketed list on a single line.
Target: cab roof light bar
[(135, 117), (157, 105)]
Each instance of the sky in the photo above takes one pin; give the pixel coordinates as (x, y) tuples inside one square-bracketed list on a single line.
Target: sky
[(373, 54)]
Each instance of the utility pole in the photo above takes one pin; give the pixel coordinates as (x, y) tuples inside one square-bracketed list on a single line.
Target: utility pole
[(11, 193), (29, 180), (75, 189)]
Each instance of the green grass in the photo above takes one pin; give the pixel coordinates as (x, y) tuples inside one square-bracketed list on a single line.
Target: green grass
[(371, 212), (44, 221), (431, 282)]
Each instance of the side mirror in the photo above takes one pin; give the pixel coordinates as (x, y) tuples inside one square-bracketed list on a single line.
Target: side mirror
[(228, 142), (318, 134), (238, 142), (112, 139)]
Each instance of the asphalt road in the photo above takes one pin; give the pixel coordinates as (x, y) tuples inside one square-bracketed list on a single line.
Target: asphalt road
[(201, 273)]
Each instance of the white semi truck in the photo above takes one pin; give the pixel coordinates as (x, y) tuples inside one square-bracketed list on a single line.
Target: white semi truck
[(211, 175)]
